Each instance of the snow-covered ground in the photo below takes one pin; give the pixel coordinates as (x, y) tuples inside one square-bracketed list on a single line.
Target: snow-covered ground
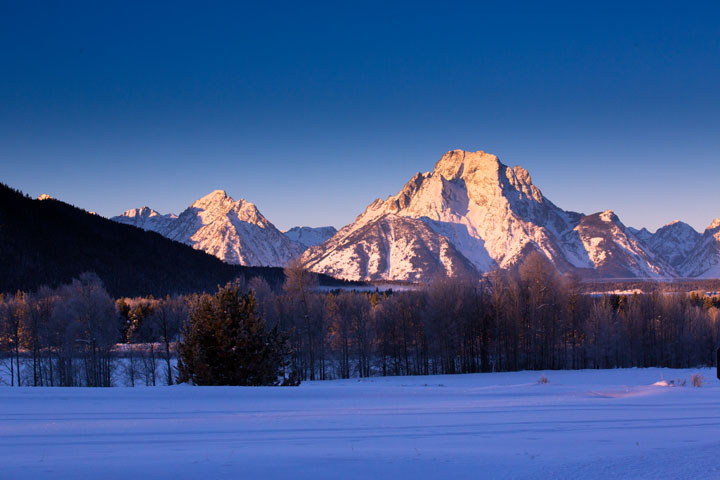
[(583, 424)]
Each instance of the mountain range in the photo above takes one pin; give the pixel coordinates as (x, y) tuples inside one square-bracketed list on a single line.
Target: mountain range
[(49, 242), (234, 231), (470, 213)]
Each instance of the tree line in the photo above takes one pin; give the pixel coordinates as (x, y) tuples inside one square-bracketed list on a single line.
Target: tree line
[(528, 318)]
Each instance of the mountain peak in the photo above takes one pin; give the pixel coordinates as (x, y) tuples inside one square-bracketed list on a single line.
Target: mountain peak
[(455, 163), (673, 242), (674, 228), (143, 212), (608, 216), (45, 196), (235, 232), (220, 194), (145, 218), (643, 234), (212, 198), (704, 259), (310, 236), (677, 227)]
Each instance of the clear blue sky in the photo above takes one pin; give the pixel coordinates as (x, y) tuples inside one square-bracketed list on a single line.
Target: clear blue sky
[(313, 110)]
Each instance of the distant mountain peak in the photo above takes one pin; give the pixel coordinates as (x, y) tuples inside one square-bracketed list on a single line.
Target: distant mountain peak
[(234, 231), (310, 236), (143, 212), (146, 218), (45, 196), (704, 259), (212, 198), (643, 234), (678, 226)]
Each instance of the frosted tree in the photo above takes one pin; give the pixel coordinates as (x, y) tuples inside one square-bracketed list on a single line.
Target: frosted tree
[(163, 324)]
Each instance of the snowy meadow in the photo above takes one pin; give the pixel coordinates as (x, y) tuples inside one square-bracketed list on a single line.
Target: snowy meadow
[(622, 423)]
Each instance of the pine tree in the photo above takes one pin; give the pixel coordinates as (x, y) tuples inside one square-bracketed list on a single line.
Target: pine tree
[(226, 343)]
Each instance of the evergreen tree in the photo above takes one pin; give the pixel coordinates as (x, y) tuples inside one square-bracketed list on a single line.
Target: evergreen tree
[(226, 343)]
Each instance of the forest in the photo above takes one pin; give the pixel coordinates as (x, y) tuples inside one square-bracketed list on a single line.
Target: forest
[(532, 318)]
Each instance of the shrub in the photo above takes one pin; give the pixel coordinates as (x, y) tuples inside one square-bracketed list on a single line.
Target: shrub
[(226, 343), (696, 380), (543, 380)]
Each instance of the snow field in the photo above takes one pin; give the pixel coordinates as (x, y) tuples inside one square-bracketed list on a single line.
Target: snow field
[(583, 424)]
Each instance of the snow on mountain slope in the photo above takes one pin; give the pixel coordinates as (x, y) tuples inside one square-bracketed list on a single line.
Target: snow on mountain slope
[(674, 242), (492, 215), (310, 236), (235, 232), (489, 212), (643, 234), (704, 259), (146, 218), (387, 247), (616, 252)]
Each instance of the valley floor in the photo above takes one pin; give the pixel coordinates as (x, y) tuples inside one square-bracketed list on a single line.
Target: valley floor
[(583, 424)]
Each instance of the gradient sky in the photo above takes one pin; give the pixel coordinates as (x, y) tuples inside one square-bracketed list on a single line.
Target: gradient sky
[(313, 110)]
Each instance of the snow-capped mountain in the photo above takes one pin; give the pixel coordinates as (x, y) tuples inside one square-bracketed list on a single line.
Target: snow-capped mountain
[(616, 252), (674, 242), (490, 214), (703, 260), (643, 234), (234, 231), (310, 236), (146, 218), (387, 247)]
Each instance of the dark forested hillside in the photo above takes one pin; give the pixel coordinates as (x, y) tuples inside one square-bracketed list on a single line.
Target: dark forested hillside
[(48, 242)]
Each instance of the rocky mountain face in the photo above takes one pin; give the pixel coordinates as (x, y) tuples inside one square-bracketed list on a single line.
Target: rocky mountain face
[(387, 247), (146, 218), (703, 259), (234, 231), (310, 236), (690, 253), (473, 206), (673, 242), (616, 252), (643, 234)]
